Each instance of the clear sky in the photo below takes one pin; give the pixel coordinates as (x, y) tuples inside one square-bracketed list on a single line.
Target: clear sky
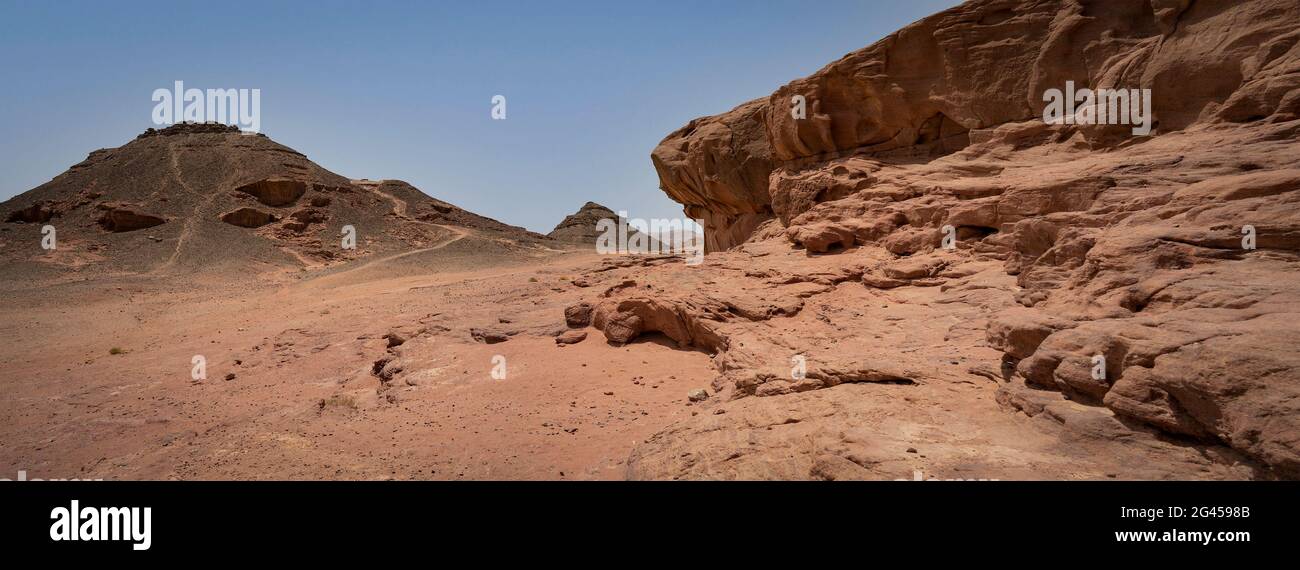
[(403, 89)]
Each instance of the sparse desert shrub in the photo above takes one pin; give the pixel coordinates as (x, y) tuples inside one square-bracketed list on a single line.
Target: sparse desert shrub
[(343, 401)]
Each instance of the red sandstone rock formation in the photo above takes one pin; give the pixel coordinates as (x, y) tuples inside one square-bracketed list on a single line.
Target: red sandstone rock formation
[(1072, 242)]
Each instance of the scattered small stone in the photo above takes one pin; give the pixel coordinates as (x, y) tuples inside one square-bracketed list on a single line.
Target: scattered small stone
[(395, 339), (911, 450), (571, 337), (490, 336), (697, 395)]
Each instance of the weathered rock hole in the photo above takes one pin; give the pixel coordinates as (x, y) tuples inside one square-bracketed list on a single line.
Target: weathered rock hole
[(120, 220), (248, 218), (967, 233), (385, 368), (896, 380), (275, 192), (943, 134), (662, 339)]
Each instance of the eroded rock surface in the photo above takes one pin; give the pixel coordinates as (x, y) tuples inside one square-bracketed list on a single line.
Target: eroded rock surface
[(1093, 269)]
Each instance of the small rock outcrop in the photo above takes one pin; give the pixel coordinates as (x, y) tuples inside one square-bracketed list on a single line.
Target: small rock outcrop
[(275, 191), (119, 218)]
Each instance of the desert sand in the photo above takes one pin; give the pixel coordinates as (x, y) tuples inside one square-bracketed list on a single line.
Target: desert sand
[(921, 278)]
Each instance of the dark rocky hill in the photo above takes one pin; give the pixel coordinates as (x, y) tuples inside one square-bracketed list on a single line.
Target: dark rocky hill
[(197, 197)]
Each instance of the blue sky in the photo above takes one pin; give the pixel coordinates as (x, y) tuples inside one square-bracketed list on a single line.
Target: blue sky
[(403, 89)]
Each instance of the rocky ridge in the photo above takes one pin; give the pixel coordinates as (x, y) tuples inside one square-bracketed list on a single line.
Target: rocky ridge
[(196, 197)]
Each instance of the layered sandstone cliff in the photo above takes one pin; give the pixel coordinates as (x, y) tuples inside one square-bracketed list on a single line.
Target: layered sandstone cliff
[(1122, 279), (944, 82)]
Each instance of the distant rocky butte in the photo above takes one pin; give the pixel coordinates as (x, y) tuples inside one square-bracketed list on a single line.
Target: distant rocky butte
[(580, 227), (1099, 279), (200, 196)]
